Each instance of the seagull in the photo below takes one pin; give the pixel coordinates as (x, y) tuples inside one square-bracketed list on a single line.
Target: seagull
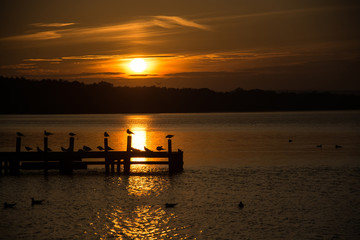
[(36, 202), (129, 132), (38, 149), (241, 205), (81, 150), (47, 133), (72, 134), (170, 205), (109, 148), (147, 150), (86, 149), (338, 146), (169, 136), (290, 140), (106, 134), (28, 148), (319, 146), (100, 148), (159, 148), (48, 150), (64, 149), (179, 150), (19, 134), (9, 205)]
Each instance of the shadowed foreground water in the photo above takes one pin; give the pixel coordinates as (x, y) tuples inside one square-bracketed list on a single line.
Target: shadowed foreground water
[(290, 190)]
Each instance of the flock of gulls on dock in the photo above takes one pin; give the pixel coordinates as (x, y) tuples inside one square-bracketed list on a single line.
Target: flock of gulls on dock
[(319, 145), (88, 149)]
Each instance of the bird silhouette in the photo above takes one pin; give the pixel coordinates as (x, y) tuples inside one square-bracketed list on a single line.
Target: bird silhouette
[(169, 136), (64, 149), (28, 148), (129, 132), (338, 146), (159, 148), (38, 149), (47, 133), (100, 148), (147, 150), (241, 205), (81, 150), (9, 205), (106, 134), (319, 146), (36, 202), (179, 150), (108, 148), (72, 134), (170, 205), (86, 149), (290, 140), (48, 150), (19, 134)]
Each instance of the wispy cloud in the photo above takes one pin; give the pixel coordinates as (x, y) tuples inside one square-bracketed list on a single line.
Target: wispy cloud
[(131, 30), (51, 24)]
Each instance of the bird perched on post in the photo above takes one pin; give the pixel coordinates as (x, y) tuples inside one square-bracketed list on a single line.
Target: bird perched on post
[(72, 134), (129, 132), (47, 133), (106, 134), (159, 148), (19, 134), (169, 136), (28, 148)]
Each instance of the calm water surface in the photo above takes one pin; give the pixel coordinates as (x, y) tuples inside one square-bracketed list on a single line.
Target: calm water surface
[(290, 190)]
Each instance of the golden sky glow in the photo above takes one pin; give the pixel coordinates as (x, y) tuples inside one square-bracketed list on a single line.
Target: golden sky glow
[(219, 45)]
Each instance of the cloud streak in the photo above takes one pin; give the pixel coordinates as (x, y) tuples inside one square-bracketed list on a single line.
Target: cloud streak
[(51, 24)]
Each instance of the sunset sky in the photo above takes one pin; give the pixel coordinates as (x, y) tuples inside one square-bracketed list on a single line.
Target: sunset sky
[(222, 45)]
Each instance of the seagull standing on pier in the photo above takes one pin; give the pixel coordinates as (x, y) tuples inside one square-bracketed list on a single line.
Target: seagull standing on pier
[(48, 150), (106, 134), (169, 136), (72, 134), (19, 134), (159, 148), (9, 205), (108, 148), (87, 149), (64, 149), (100, 148), (38, 149), (129, 132), (47, 133), (28, 148)]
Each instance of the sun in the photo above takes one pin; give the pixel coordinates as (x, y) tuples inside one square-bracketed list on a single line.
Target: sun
[(138, 65)]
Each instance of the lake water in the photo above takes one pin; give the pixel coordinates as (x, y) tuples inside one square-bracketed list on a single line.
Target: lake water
[(291, 190)]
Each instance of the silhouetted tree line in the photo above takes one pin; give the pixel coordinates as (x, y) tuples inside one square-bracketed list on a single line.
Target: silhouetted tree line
[(19, 95)]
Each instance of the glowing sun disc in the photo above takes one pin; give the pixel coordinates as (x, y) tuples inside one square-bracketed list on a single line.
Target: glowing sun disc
[(138, 65)]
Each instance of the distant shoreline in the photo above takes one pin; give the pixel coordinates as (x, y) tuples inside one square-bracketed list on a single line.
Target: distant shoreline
[(22, 96)]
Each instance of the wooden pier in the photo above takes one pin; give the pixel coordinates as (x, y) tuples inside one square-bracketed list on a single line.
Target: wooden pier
[(66, 162)]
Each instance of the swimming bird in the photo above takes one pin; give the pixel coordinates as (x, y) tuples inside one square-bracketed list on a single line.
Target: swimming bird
[(147, 150), (169, 136), (64, 149), (100, 148), (319, 146), (72, 134), (38, 149), (241, 205), (36, 202), (9, 205), (86, 149), (170, 205), (129, 132), (28, 148), (159, 148), (338, 146), (106, 134), (47, 133), (290, 140), (19, 134)]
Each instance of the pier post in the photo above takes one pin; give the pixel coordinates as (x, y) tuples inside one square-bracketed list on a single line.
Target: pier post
[(118, 166), (169, 146), (71, 144), (15, 162), (127, 159), (106, 147), (45, 158), (112, 165), (176, 163)]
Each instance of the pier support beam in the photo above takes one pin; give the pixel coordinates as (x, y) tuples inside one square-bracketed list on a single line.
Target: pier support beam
[(169, 146), (71, 144), (45, 158), (127, 159), (14, 163), (107, 162)]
